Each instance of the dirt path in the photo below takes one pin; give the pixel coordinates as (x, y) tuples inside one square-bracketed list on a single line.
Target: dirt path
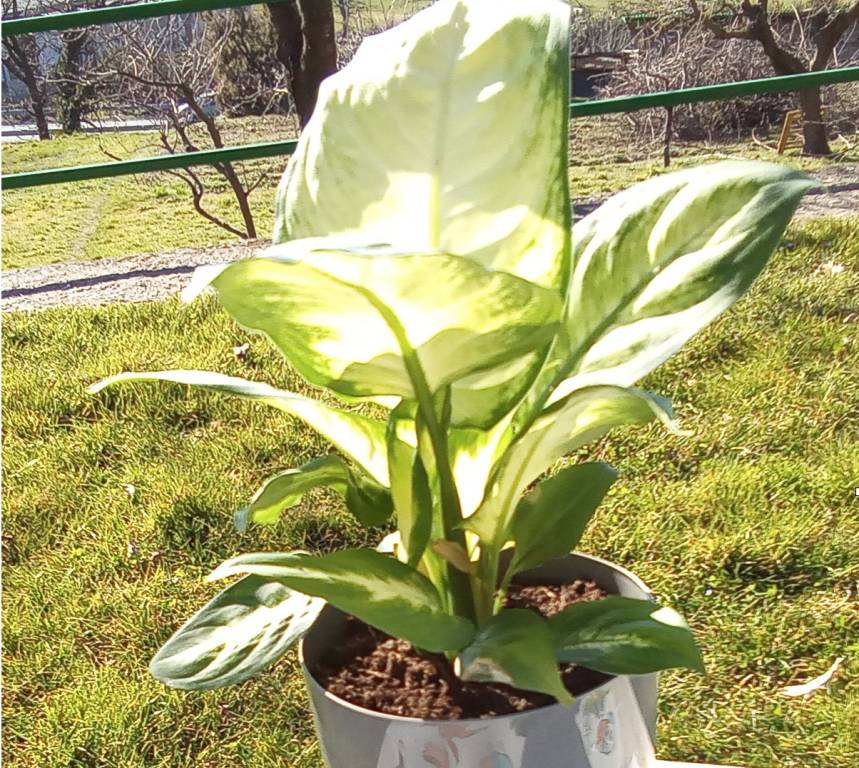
[(156, 276)]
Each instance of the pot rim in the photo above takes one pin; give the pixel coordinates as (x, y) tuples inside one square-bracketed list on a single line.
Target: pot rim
[(312, 681)]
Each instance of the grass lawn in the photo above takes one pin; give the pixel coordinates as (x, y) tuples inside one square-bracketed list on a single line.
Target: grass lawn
[(116, 506), (106, 218)]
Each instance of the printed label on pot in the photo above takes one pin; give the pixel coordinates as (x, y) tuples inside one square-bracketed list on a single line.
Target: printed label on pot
[(612, 728), (451, 745)]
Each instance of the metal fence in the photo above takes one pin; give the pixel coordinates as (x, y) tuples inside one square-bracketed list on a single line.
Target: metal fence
[(120, 13)]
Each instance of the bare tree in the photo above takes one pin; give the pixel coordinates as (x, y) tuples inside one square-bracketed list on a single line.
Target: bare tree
[(599, 31), (24, 56), (666, 55), (249, 78), (165, 66), (55, 68), (345, 13), (804, 47), (306, 47)]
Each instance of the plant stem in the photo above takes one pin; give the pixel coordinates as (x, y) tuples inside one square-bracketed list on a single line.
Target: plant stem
[(454, 584), (487, 576)]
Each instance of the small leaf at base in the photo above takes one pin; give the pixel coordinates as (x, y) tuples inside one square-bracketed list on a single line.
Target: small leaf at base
[(623, 636), (515, 647)]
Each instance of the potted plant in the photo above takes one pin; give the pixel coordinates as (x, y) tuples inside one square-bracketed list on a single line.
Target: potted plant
[(424, 261)]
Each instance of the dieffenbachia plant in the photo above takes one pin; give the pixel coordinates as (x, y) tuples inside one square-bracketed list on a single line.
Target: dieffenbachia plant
[(425, 260)]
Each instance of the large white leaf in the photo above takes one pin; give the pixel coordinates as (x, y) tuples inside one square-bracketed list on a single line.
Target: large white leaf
[(368, 322), (243, 630), (658, 262), (410, 489), (445, 133), (585, 415), (473, 453), (448, 133), (359, 437)]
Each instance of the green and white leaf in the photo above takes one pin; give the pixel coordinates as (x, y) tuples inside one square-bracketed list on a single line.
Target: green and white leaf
[(514, 647), (368, 501), (243, 630), (585, 415), (446, 133), (550, 520), (361, 438), (622, 636), (380, 590), (415, 143), (409, 484), (658, 262), (366, 322), (473, 454)]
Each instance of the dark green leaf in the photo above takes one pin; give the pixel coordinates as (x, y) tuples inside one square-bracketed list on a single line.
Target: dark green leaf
[(367, 500), (248, 626), (622, 636), (550, 520), (515, 647)]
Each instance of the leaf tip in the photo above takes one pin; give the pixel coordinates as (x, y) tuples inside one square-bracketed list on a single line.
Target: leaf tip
[(93, 389), (201, 281), (221, 572)]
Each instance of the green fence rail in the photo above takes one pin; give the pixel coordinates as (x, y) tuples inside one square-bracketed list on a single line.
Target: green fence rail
[(147, 164), (577, 109), (54, 22), (719, 92)]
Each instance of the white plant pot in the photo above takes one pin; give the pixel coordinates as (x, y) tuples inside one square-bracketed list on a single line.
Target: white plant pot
[(611, 726)]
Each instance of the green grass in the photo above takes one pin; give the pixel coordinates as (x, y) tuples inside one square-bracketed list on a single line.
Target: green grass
[(128, 215), (605, 158), (748, 526), (105, 218)]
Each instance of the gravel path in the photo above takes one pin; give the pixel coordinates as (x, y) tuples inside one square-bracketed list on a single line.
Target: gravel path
[(839, 197), (154, 276), (145, 277)]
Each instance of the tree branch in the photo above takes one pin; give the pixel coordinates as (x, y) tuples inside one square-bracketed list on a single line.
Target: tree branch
[(831, 32)]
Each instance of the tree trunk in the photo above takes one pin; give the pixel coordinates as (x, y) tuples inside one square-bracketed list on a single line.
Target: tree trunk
[(813, 126), (306, 47), (241, 195), (72, 90), (23, 61), (41, 119)]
